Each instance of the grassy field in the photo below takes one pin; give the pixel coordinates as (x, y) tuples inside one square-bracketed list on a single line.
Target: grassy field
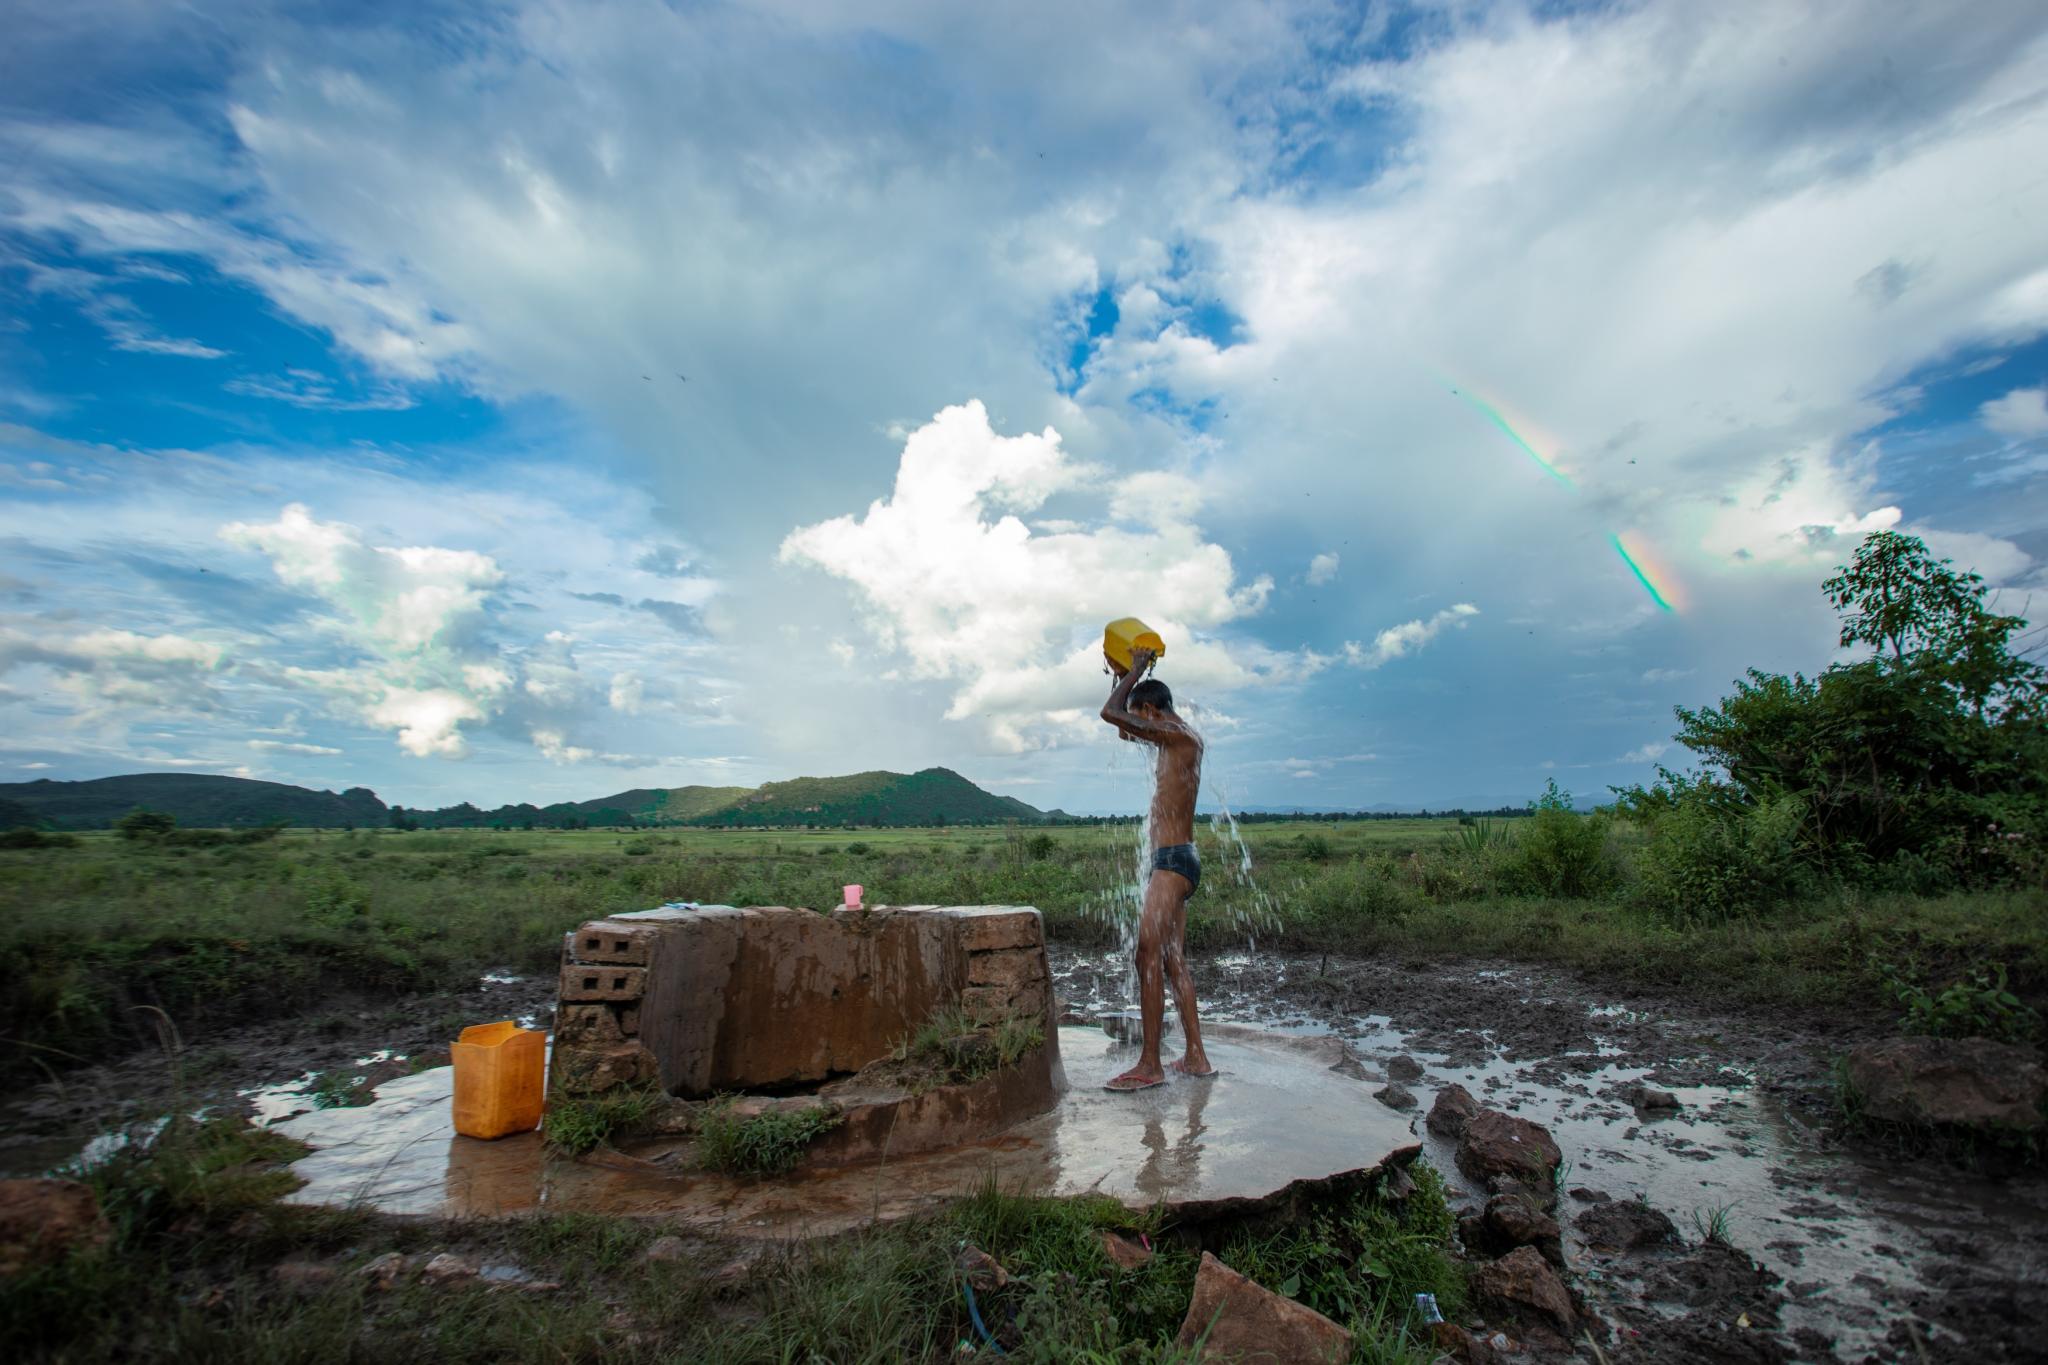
[(91, 932)]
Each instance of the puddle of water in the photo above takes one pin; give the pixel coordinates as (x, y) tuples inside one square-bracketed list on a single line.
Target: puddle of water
[(1849, 1243), (501, 978)]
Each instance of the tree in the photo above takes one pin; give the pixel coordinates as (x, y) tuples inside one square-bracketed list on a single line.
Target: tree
[(1913, 754), (143, 823), (1896, 597)]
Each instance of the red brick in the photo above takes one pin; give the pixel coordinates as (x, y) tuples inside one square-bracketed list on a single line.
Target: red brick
[(596, 981)]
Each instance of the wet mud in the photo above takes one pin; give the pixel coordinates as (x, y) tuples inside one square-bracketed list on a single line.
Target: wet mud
[(1791, 1245), (267, 1071)]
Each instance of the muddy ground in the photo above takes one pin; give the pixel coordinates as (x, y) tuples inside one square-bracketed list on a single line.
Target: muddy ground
[(1833, 1252), (1846, 1251)]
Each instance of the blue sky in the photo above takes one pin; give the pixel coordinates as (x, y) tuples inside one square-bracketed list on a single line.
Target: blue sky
[(529, 401)]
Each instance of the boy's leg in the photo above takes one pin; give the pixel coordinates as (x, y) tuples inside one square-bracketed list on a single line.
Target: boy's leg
[(1193, 1060), (1163, 892)]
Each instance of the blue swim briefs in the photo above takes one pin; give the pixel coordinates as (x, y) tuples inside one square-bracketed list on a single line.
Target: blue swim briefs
[(1180, 858)]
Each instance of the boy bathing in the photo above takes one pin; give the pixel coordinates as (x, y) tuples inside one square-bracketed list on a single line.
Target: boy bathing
[(1142, 709)]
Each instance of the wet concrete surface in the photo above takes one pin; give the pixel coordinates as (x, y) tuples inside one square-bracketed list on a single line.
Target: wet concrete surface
[(1860, 1254), (1276, 1113)]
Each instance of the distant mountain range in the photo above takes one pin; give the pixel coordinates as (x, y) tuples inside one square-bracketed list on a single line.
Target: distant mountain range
[(935, 796)]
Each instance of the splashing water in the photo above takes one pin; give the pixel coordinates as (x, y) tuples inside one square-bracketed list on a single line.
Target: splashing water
[(1248, 910)]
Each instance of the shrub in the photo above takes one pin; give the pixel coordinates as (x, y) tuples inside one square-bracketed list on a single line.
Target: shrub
[(576, 1124), (1706, 862), (143, 823), (772, 1143), (1560, 852), (1040, 846), (1982, 1007)]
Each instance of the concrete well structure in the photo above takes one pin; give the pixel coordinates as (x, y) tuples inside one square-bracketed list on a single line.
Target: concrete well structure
[(779, 1001)]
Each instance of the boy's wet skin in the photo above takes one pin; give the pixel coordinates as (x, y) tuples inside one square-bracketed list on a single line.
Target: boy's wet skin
[(1142, 710)]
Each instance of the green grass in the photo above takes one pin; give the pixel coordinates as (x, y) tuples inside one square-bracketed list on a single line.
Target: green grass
[(91, 935), (575, 1124), (771, 1143), (953, 1046)]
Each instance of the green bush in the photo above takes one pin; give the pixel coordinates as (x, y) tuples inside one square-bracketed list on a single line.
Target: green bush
[(1706, 861), (1558, 852), (761, 1144)]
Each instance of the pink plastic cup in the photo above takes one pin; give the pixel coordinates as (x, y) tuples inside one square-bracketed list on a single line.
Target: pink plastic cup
[(853, 897)]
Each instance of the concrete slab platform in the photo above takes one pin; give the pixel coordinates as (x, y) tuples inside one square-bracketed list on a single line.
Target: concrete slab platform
[(1276, 1114)]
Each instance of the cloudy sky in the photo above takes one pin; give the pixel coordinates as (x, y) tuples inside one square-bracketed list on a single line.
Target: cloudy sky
[(528, 401)]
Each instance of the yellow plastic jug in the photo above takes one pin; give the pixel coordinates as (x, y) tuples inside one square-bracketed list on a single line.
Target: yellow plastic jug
[(1119, 638), (499, 1070)]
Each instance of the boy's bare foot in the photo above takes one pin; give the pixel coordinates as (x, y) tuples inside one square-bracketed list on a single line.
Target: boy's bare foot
[(1197, 1069), (1137, 1078)]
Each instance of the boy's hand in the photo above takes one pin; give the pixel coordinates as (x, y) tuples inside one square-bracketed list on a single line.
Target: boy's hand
[(1114, 666), (1142, 660)]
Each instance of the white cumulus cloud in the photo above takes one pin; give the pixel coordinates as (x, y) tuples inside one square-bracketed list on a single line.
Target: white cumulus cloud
[(1398, 641), (948, 573), (1322, 569)]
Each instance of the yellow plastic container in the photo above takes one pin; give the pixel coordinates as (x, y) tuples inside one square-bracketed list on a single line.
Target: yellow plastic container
[(499, 1073), (1119, 638)]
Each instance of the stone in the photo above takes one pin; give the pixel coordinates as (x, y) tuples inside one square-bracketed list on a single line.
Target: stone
[(1462, 1346), (1589, 1196), (304, 1277), (1125, 1253), (1494, 1144), (1522, 1283), (1453, 1109), (41, 1220), (1652, 1101), (1625, 1225), (979, 1269), (1402, 1067), (1395, 1096), (996, 1002), (447, 1268), (588, 1024), (668, 1248), (592, 1071), (1513, 1220), (990, 927), (1969, 1083), (385, 1272), (1011, 969), (1238, 1322)]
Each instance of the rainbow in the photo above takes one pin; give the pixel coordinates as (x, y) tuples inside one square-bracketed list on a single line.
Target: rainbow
[(1492, 414), (1650, 571)]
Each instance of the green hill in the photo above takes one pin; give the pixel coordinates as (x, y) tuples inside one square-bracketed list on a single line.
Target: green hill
[(196, 799), (936, 796)]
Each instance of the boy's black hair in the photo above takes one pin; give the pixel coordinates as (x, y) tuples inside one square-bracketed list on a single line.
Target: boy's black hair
[(1152, 692)]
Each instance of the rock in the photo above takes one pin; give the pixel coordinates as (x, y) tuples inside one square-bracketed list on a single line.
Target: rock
[(1523, 1283), (1239, 1321), (1510, 1221), (1461, 1346), (41, 1220), (669, 1248), (1123, 1252), (1586, 1196), (1453, 1109), (304, 1277), (1652, 1101), (448, 1268), (1624, 1225), (1500, 1145), (1395, 1096), (1402, 1067), (594, 1070), (385, 1271), (980, 1269), (1971, 1083)]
